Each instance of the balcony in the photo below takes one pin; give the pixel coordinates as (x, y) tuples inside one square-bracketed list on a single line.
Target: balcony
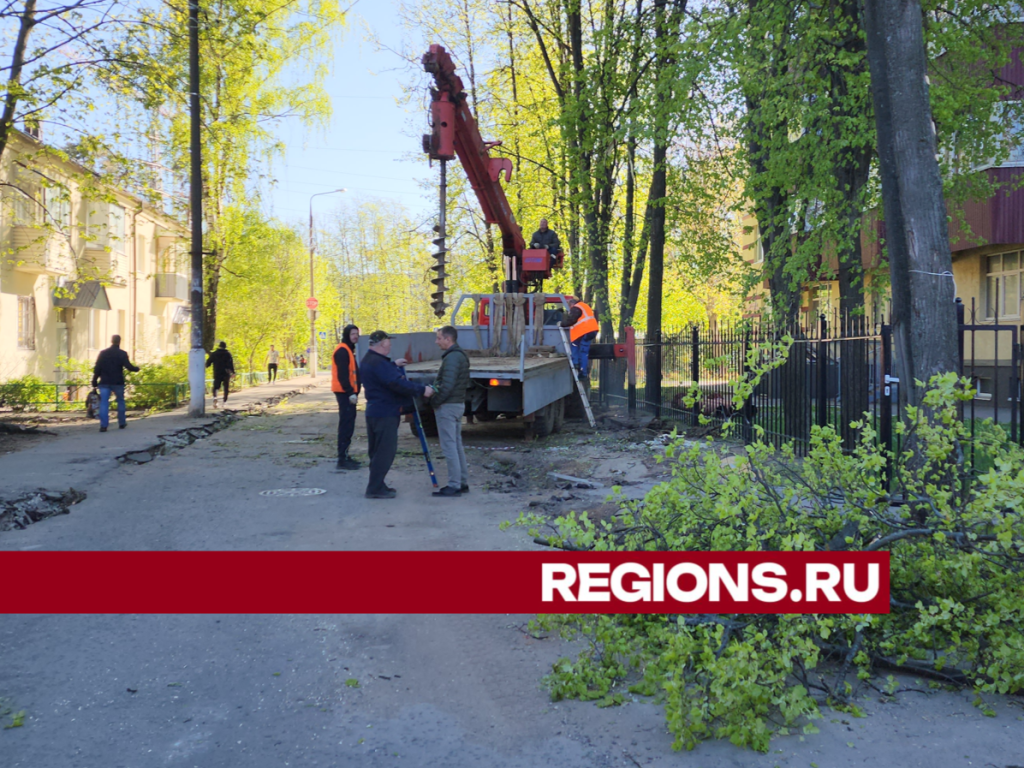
[(36, 250), (171, 286), (109, 266)]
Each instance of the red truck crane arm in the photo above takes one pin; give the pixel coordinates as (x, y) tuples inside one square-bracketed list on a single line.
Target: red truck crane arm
[(455, 134)]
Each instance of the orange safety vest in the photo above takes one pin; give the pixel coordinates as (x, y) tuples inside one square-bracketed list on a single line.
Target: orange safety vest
[(353, 379), (585, 324)]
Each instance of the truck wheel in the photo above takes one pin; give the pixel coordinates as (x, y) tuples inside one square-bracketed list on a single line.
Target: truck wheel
[(559, 414), (544, 423), (428, 421)]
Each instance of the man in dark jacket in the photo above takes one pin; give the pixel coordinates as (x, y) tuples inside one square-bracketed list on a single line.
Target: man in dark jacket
[(449, 404), (223, 369), (545, 238), (345, 385), (386, 390), (108, 374)]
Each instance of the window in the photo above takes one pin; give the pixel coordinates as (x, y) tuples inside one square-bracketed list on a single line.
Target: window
[(117, 228), (1002, 285), (26, 197), (26, 322)]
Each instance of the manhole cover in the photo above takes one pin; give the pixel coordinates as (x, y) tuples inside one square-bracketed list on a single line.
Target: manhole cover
[(293, 492)]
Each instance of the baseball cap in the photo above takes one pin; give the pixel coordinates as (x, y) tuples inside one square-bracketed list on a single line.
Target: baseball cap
[(378, 336)]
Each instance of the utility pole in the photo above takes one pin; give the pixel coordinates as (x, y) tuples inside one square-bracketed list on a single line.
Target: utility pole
[(196, 355), (311, 303)]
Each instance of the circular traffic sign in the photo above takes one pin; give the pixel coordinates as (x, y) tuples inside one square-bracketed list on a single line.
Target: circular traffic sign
[(312, 303)]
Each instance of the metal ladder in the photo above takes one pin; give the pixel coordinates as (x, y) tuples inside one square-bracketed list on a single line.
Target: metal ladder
[(576, 378)]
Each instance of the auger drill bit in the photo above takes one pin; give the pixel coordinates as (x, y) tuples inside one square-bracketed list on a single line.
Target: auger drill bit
[(438, 303)]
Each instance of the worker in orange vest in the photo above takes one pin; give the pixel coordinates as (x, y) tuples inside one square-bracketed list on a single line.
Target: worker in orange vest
[(345, 385), (583, 327)]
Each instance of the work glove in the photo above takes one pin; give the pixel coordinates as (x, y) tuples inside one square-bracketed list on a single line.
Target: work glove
[(353, 399)]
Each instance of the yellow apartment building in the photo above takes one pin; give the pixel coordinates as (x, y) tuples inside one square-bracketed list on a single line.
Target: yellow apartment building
[(79, 263)]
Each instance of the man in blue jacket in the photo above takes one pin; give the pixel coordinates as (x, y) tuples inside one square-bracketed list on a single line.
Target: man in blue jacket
[(386, 390)]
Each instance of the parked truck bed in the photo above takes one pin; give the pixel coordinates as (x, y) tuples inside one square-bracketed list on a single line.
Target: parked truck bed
[(493, 367)]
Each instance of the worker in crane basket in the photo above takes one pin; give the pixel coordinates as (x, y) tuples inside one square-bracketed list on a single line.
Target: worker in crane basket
[(546, 238), (583, 327)]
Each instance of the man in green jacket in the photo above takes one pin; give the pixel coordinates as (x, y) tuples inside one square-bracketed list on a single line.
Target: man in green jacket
[(449, 403)]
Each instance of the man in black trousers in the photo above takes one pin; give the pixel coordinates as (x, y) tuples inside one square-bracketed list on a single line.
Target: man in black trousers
[(345, 385), (387, 391), (223, 369)]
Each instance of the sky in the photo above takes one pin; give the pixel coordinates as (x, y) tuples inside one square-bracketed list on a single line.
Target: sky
[(372, 146)]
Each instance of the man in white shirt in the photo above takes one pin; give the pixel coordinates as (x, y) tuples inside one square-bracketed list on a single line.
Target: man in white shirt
[(272, 358)]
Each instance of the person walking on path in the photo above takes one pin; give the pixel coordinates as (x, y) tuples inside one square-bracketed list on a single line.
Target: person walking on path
[(273, 356), (223, 369), (345, 385), (449, 404), (108, 375), (583, 328), (386, 390)]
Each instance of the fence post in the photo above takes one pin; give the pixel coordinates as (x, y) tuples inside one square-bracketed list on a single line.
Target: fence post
[(960, 349), (695, 368), (822, 397), (885, 417), (748, 402)]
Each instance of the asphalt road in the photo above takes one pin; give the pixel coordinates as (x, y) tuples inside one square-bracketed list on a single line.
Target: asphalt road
[(235, 690)]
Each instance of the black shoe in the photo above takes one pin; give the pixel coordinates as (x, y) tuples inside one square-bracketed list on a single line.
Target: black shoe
[(387, 493), (346, 464), (121, 426), (464, 488), (448, 491), (103, 429)]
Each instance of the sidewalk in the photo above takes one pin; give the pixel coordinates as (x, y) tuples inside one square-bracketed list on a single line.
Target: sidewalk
[(80, 454)]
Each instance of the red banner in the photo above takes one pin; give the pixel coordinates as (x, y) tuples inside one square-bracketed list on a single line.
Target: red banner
[(446, 582)]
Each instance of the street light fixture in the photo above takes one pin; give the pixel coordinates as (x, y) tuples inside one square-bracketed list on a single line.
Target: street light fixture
[(312, 291)]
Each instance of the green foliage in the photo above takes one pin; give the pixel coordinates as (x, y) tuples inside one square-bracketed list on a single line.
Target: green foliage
[(957, 576), (153, 386), (27, 391)]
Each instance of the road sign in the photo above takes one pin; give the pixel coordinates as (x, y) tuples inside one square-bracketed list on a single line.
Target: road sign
[(312, 303), (322, 335)]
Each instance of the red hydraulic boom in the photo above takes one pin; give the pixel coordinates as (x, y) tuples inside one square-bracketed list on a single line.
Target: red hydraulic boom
[(455, 134)]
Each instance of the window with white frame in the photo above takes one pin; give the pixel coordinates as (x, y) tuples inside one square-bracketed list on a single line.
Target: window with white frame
[(1002, 285), (26, 322), (26, 195), (117, 228)]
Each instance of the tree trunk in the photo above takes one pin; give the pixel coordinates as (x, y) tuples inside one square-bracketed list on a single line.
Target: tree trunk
[(917, 238), (659, 187)]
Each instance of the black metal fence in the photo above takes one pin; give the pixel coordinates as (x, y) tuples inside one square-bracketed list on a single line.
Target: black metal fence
[(839, 370)]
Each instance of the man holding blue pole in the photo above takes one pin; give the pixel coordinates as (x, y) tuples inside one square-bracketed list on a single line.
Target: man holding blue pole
[(386, 390)]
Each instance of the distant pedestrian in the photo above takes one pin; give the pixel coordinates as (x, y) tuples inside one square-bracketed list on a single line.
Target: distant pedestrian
[(108, 374), (449, 404), (386, 390), (223, 369), (345, 385), (302, 362), (273, 356)]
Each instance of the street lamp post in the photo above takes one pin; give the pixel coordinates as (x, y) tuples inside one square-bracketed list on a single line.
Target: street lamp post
[(312, 286)]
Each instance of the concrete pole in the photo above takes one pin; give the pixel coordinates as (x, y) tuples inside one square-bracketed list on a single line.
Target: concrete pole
[(196, 355)]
